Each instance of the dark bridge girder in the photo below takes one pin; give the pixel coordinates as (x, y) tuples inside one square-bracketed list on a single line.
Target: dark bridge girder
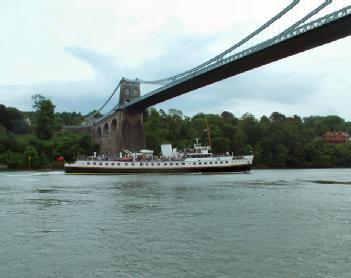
[(310, 39)]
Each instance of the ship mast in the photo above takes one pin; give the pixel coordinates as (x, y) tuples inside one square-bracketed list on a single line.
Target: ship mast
[(208, 134)]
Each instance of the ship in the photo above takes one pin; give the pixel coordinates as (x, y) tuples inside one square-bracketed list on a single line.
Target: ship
[(198, 159)]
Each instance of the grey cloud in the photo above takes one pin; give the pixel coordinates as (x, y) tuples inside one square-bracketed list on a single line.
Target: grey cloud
[(103, 64)]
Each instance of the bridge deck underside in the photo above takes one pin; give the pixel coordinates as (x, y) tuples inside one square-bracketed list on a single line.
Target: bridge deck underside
[(325, 34)]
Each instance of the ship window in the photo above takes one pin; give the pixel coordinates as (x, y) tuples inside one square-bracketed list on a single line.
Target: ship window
[(199, 163), (216, 162), (152, 164), (205, 163), (132, 164), (88, 163), (94, 163), (112, 164), (177, 163), (194, 163), (221, 162), (183, 163), (100, 163), (141, 164), (118, 164), (170, 164), (106, 164), (146, 164), (158, 164), (226, 162), (165, 164), (211, 163), (125, 164)]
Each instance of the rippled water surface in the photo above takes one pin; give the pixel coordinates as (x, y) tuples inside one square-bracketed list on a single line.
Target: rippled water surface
[(269, 223)]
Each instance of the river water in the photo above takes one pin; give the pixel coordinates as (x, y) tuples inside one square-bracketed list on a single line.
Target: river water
[(268, 223)]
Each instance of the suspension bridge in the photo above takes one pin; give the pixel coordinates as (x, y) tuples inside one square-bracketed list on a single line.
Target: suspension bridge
[(122, 127)]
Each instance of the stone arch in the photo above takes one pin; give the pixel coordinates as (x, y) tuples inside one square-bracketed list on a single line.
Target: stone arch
[(105, 129), (114, 125), (98, 132)]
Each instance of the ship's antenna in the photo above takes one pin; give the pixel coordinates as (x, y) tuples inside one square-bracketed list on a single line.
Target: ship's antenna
[(208, 134)]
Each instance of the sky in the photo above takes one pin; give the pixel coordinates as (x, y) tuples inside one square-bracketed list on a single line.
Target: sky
[(75, 52)]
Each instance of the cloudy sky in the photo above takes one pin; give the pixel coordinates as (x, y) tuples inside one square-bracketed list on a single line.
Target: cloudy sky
[(75, 52)]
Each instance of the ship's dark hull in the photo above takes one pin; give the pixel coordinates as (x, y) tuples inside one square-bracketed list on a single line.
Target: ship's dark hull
[(103, 170)]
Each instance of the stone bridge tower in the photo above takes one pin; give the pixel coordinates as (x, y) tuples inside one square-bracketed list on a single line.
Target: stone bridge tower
[(121, 130)]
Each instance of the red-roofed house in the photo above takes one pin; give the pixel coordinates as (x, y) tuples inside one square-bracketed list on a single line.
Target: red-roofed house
[(339, 137)]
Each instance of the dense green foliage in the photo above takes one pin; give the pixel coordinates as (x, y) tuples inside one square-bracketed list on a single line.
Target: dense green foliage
[(36, 139), (44, 118), (13, 120), (277, 141)]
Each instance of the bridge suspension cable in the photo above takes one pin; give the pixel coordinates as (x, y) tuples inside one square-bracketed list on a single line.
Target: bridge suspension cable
[(106, 102), (220, 56)]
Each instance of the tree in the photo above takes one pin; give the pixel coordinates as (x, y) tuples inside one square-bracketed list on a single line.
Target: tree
[(94, 113), (7, 141), (13, 120), (44, 120)]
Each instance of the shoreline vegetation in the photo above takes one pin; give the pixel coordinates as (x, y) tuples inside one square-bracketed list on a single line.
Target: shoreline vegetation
[(35, 140)]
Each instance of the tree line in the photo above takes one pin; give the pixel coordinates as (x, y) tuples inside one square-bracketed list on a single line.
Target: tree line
[(276, 141), (36, 139)]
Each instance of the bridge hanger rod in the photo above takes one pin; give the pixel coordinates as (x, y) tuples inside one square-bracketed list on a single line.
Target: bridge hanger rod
[(220, 56), (309, 15)]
